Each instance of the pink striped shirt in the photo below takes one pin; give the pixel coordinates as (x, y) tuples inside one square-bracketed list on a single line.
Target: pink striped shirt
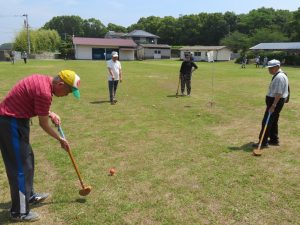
[(30, 97)]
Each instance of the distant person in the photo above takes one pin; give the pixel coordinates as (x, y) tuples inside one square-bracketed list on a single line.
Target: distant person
[(192, 57), (12, 57), (114, 76), (186, 70), (276, 97), (30, 97), (265, 62), (24, 56), (244, 62), (257, 61)]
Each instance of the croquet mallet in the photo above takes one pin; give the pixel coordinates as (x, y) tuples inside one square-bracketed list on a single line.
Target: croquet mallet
[(85, 189), (258, 151)]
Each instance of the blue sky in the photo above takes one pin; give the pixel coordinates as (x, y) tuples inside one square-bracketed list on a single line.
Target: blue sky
[(120, 12)]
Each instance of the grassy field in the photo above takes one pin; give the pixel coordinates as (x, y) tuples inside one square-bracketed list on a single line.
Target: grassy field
[(179, 161)]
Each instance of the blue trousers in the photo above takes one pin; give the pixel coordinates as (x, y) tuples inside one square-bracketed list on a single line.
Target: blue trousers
[(18, 160)]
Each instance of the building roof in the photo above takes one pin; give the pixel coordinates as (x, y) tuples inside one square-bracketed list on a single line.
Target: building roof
[(155, 46), (6, 46), (141, 33), (277, 46), (201, 48), (104, 42)]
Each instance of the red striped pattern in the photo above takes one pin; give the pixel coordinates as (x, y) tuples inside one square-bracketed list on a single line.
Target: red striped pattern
[(30, 97)]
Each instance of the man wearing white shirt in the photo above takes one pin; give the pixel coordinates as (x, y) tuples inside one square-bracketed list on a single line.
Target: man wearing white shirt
[(277, 95), (114, 76)]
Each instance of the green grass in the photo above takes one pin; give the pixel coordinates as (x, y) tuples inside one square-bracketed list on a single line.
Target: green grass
[(178, 160)]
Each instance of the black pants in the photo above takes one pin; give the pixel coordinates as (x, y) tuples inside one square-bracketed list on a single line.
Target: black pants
[(272, 128), (185, 80), (18, 160), (112, 86)]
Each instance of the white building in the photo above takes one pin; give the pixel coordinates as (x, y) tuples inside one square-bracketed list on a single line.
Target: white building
[(101, 48), (153, 51), (202, 53)]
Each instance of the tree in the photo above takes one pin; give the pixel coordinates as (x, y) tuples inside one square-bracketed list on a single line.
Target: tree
[(46, 40), (150, 24), (20, 43), (256, 19), (267, 35), (295, 25), (188, 28), (168, 31), (214, 28), (236, 41), (232, 20), (116, 28), (66, 26), (93, 28), (40, 41)]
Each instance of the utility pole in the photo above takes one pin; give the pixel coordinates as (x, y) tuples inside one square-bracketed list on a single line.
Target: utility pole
[(26, 24)]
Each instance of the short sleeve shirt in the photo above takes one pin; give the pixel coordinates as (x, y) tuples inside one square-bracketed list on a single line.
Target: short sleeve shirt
[(115, 67), (279, 85), (186, 67), (31, 96)]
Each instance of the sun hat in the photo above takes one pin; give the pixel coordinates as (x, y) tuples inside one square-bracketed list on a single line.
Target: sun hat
[(273, 63), (114, 54), (71, 79)]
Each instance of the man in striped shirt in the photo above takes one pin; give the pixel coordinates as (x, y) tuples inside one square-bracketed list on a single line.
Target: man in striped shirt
[(276, 97), (32, 96)]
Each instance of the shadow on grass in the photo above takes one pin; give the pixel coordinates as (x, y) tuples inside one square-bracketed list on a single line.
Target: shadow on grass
[(100, 102), (78, 200), (245, 147), (4, 208), (175, 96)]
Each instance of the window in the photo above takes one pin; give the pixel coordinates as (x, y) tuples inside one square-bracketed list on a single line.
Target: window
[(157, 52), (197, 54)]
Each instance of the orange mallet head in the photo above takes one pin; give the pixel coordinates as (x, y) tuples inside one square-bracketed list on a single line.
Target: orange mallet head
[(85, 190)]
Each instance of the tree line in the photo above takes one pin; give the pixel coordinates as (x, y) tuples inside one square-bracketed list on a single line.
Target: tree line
[(237, 31)]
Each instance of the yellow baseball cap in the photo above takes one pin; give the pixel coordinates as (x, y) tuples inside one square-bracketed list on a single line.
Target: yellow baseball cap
[(71, 79)]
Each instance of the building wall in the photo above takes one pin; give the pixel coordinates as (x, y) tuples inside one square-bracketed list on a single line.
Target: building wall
[(140, 53), (85, 52), (223, 55), (149, 53), (126, 55), (219, 55)]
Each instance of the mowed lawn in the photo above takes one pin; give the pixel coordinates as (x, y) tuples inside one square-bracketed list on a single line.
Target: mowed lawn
[(183, 160)]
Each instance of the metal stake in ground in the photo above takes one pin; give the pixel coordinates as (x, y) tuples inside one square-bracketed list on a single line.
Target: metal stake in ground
[(258, 151), (85, 189), (210, 57), (178, 86)]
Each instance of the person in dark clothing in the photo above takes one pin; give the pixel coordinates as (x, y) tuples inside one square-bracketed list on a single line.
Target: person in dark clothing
[(186, 70), (24, 56), (275, 99), (12, 57)]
